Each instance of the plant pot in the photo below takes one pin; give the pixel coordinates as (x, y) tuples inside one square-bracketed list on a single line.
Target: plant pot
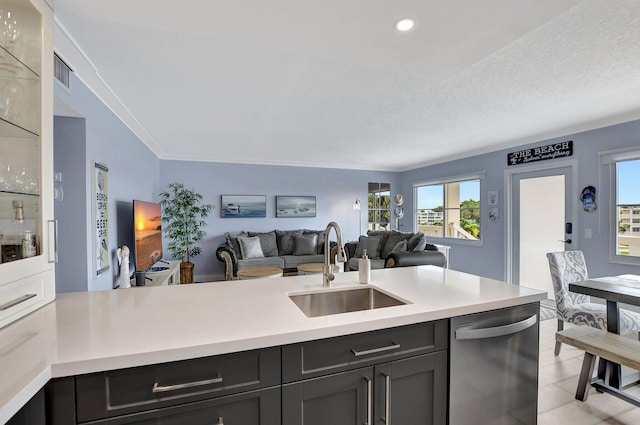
[(186, 272)]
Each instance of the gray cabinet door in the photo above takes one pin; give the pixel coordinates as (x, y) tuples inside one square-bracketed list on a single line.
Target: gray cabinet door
[(412, 391), (340, 399)]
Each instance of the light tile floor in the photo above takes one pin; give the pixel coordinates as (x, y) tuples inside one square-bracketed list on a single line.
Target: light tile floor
[(557, 386)]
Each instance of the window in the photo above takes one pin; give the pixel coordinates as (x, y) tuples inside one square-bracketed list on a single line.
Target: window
[(449, 209), (627, 207), (379, 204)]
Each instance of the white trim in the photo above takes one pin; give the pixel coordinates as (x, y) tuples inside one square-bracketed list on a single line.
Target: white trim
[(617, 155), (478, 175), (611, 158), (509, 173)]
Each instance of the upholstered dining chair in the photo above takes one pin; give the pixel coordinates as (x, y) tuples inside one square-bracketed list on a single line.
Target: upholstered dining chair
[(570, 267)]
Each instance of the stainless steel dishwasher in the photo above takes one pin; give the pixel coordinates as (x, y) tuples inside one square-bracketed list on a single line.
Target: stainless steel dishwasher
[(494, 367)]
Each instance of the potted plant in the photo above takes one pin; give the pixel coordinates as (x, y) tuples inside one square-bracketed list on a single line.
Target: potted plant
[(183, 217)]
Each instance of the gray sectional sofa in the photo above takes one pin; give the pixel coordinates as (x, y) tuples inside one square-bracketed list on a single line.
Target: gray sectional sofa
[(285, 249), (393, 249)]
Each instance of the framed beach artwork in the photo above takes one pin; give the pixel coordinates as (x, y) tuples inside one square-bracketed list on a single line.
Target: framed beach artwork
[(243, 206), (295, 206)]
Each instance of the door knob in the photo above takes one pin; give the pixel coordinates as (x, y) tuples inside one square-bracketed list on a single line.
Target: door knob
[(568, 241)]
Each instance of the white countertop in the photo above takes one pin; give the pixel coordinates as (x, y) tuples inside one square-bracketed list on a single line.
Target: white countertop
[(87, 332)]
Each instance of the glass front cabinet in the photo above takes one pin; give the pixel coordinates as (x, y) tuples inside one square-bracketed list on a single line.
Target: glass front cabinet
[(27, 227)]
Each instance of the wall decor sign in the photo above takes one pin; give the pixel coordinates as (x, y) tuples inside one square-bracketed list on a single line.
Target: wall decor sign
[(100, 218), (243, 206), (541, 153), (295, 206)]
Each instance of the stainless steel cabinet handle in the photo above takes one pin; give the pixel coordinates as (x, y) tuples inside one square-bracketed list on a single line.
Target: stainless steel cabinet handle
[(157, 388), (497, 330), (12, 303), (369, 395), (387, 397), (52, 251), (375, 350)]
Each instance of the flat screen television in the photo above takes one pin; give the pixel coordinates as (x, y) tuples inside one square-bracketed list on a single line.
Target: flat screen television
[(147, 219)]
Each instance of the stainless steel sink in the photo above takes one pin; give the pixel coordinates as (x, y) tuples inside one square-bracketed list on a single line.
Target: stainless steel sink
[(343, 301)]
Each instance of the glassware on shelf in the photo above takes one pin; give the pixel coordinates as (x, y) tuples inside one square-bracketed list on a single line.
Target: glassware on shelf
[(10, 99), (17, 241), (10, 29)]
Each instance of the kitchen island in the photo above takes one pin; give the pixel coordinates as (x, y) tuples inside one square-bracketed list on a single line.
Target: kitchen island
[(84, 333)]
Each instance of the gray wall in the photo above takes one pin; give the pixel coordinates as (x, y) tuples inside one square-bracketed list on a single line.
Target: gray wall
[(489, 259), (335, 192), (133, 174), (69, 151)]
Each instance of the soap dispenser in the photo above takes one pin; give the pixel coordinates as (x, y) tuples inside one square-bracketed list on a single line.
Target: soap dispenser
[(364, 268)]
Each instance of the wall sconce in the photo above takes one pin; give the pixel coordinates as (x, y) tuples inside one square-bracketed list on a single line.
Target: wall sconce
[(356, 207)]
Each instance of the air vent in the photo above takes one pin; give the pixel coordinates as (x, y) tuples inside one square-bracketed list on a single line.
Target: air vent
[(61, 70)]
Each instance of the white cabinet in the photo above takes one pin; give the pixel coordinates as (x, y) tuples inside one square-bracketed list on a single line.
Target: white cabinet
[(27, 229)]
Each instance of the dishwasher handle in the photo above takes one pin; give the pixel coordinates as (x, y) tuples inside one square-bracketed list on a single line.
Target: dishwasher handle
[(484, 333)]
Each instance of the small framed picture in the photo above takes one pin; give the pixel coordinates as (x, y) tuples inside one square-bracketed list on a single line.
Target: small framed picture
[(492, 198), (295, 206), (243, 206)]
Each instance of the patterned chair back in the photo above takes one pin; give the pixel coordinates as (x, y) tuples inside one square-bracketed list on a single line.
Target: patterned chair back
[(567, 267)]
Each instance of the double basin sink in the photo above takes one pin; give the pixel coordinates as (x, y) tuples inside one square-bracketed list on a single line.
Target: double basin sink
[(343, 301)]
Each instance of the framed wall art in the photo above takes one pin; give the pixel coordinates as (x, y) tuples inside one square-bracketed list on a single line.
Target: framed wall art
[(295, 206), (243, 206)]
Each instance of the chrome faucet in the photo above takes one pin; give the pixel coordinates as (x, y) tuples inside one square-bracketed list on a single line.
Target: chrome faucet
[(327, 272)]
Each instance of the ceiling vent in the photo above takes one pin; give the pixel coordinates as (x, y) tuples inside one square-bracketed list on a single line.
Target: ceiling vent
[(61, 71)]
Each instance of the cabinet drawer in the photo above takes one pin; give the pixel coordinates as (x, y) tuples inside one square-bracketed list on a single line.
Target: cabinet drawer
[(261, 407), (23, 296), (321, 357), (114, 393)]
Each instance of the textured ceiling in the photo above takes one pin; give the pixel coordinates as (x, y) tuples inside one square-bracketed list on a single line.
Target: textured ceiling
[(332, 84)]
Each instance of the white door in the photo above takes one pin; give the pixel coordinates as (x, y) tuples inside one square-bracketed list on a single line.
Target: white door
[(542, 222)]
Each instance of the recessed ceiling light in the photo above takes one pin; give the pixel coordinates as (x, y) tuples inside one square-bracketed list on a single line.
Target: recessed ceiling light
[(405, 24)]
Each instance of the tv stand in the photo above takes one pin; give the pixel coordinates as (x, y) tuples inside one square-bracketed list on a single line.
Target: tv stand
[(163, 278)]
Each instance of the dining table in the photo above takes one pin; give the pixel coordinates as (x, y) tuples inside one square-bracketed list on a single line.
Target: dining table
[(614, 290)]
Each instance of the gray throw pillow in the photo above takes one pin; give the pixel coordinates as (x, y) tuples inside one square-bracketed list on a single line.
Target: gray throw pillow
[(400, 247), (413, 240), (268, 243), (232, 240), (284, 240), (250, 247), (393, 238), (421, 245), (371, 244), (305, 245), (319, 240)]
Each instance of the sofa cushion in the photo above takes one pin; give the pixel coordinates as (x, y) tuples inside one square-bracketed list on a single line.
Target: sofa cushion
[(232, 240), (399, 247), (284, 240), (293, 261), (261, 262), (422, 244), (375, 264), (383, 234), (371, 244), (418, 242), (319, 241), (267, 242), (250, 247), (305, 244), (393, 238)]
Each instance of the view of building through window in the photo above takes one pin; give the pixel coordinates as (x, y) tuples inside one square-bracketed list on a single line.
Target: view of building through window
[(628, 208), (450, 210)]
